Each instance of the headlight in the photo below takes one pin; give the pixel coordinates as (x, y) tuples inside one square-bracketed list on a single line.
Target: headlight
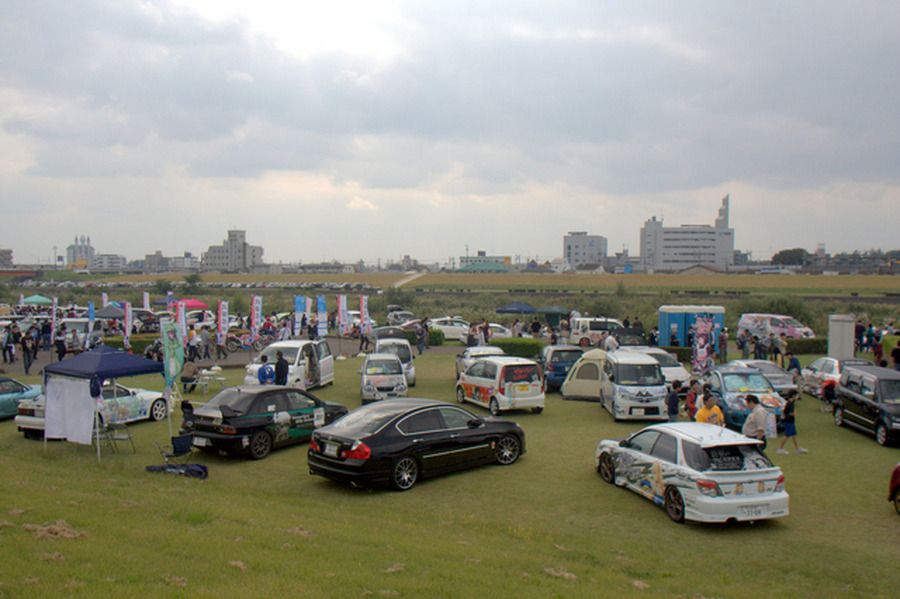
[(369, 387)]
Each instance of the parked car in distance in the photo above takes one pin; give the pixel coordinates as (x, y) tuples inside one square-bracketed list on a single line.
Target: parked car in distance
[(397, 442), (696, 471), (398, 317), (298, 353), (453, 327), (730, 385), (389, 332), (502, 383), (823, 369), (894, 488), (256, 420), (118, 403), (672, 369), (555, 362), (12, 392), (586, 331), (762, 325), (497, 330), (781, 380), (401, 349), (470, 354), (868, 398), (381, 377)]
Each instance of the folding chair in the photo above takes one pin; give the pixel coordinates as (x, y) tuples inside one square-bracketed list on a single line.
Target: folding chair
[(117, 431), (179, 452)]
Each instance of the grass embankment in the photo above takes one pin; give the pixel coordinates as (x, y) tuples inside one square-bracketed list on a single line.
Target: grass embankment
[(546, 526)]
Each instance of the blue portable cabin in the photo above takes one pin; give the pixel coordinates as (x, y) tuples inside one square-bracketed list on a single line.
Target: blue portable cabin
[(682, 318)]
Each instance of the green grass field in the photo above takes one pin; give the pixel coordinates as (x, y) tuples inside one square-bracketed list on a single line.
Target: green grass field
[(545, 527)]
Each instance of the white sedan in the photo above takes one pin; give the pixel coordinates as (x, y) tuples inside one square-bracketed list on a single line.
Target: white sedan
[(696, 471), (497, 330), (451, 326), (118, 404)]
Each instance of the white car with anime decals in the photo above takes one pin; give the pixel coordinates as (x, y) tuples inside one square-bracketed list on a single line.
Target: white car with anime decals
[(502, 383), (696, 471)]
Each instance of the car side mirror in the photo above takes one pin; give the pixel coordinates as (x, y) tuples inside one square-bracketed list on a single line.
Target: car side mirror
[(624, 443), (476, 422)]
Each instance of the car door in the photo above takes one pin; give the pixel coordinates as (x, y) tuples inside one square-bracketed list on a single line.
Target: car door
[(326, 363), (608, 386), (272, 408), (468, 445), (479, 382), (634, 462), (811, 383), (427, 439), (10, 392), (306, 414), (119, 405), (868, 405)]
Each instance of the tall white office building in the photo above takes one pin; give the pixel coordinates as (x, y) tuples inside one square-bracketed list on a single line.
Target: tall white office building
[(670, 249), (580, 248)]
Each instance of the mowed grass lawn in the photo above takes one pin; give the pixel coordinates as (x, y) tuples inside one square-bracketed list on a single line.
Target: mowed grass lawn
[(546, 526)]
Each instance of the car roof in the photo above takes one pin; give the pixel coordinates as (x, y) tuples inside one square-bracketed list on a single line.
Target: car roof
[(626, 356), (486, 350), (876, 371), (734, 370), (703, 434), (382, 356), (290, 343), (508, 360), (564, 346)]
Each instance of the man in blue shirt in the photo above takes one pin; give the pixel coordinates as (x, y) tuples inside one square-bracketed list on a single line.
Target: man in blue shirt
[(265, 373)]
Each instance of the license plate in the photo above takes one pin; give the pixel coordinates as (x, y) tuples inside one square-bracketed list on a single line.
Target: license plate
[(750, 510), (331, 449), (637, 411), (524, 387), (201, 442)]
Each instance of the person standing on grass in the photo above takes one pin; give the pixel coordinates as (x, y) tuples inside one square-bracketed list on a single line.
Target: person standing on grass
[(790, 428), (281, 369), (690, 401), (265, 374), (755, 425), (672, 402), (793, 366), (710, 412), (722, 346)]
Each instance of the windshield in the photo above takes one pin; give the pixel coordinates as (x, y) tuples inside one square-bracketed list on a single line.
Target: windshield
[(290, 353), (383, 367), (521, 373), (890, 391), (665, 360), (234, 398), (768, 368), (639, 374), (566, 356), (747, 383), (364, 421), (725, 458), (399, 350), (793, 322)]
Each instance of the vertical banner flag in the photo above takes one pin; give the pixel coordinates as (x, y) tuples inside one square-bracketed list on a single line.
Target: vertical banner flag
[(53, 320), (255, 315), (91, 318), (343, 317), (126, 334), (222, 323), (173, 350), (170, 301), (21, 300), (146, 300), (702, 359), (309, 309), (104, 299), (322, 328), (299, 308), (365, 325), (181, 321)]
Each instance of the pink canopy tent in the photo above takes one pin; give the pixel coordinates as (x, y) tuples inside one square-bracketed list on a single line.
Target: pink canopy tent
[(194, 304)]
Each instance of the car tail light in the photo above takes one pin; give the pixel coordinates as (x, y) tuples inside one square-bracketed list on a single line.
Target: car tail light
[(709, 488), (227, 430), (779, 486), (359, 451), (25, 411), (313, 445)]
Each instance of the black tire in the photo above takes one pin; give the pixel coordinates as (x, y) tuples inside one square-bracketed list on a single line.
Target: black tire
[(232, 346), (508, 450), (881, 436), (838, 415), (537, 410), (494, 407), (260, 445), (607, 468), (674, 505), (404, 473), (460, 395), (158, 410)]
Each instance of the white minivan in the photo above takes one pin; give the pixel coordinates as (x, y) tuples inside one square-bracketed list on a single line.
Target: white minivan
[(629, 384), (502, 383), (300, 355)]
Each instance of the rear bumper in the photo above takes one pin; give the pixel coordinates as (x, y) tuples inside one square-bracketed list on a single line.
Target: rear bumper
[(351, 474), (722, 509)]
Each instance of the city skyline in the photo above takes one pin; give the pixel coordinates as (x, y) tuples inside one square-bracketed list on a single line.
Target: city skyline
[(357, 130)]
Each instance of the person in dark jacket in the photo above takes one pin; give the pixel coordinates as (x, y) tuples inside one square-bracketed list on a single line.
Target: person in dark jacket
[(281, 369)]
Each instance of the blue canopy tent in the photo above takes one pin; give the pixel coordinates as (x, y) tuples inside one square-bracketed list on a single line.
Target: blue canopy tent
[(516, 308), (95, 366)]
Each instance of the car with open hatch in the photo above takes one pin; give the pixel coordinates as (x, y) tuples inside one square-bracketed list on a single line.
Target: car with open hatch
[(398, 442), (696, 471), (730, 385), (254, 420), (868, 399), (117, 404), (310, 363), (12, 392), (381, 377), (501, 383), (555, 362)]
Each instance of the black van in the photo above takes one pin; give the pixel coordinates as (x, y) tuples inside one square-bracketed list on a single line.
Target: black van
[(868, 398)]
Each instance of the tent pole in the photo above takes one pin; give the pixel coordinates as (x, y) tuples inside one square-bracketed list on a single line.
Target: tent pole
[(167, 393)]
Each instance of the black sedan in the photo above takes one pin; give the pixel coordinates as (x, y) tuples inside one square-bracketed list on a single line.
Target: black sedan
[(399, 441), (255, 420)]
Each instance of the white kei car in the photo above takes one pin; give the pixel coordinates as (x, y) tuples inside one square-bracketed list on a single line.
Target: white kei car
[(696, 471)]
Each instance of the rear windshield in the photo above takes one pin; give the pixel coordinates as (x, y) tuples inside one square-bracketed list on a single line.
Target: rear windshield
[(521, 373), (639, 374), (398, 349), (566, 355), (234, 398), (724, 458), (364, 421), (890, 391)]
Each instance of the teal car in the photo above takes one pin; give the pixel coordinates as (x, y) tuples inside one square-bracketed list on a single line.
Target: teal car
[(12, 392)]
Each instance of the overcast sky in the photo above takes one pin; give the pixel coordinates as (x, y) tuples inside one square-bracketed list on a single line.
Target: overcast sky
[(370, 129)]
